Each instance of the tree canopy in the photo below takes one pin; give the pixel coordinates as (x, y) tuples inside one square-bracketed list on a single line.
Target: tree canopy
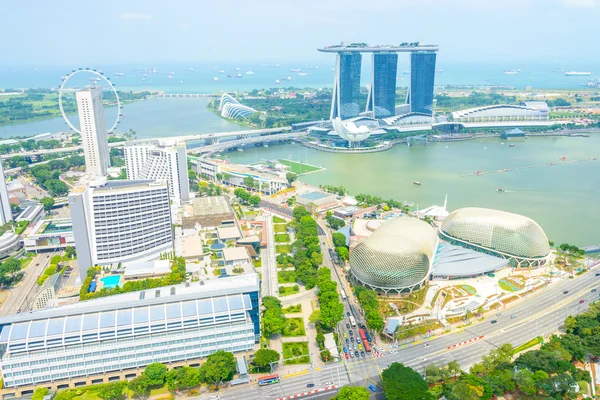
[(404, 383), (219, 367)]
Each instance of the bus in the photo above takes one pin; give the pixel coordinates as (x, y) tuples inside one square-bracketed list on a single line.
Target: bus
[(365, 339), (352, 321), (344, 297), (268, 380), (367, 346), (367, 334)]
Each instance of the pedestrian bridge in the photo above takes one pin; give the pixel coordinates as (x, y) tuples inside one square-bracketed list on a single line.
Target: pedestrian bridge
[(231, 144)]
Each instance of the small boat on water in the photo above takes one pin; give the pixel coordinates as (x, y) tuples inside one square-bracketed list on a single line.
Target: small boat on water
[(265, 145), (240, 149), (417, 183), (511, 145), (216, 79), (563, 158), (277, 81), (479, 172), (500, 190)]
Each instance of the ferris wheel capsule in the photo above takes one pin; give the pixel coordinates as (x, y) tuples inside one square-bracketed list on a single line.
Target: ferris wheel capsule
[(100, 76)]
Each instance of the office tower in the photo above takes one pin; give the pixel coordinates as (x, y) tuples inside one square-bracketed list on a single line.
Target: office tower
[(422, 75), (94, 341), (346, 86), (93, 130), (159, 160), (120, 221), (382, 94), (5, 210)]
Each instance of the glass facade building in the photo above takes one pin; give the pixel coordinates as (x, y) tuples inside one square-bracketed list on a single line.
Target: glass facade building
[(422, 75), (346, 91), (116, 333), (382, 98)]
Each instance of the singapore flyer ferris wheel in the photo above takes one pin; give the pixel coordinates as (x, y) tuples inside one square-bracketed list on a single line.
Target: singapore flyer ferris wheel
[(100, 77)]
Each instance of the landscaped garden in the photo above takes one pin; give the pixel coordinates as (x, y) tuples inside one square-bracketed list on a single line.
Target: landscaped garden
[(294, 327), (282, 238), (285, 261), (283, 248), (296, 349), (286, 277), (288, 290), (294, 309), (278, 220), (280, 228), (512, 283)]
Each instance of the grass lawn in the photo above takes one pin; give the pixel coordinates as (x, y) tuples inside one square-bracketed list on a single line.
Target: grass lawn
[(293, 309), (280, 228), (294, 327), (296, 349), (257, 263), (508, 286), (283, 248), (286, 277), (288, 290), (282, 238), (160, 390), (529, 344), (278, 220), (298, 167)]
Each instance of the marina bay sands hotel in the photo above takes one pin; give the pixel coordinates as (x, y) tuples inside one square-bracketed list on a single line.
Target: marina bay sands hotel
[(381, 99)]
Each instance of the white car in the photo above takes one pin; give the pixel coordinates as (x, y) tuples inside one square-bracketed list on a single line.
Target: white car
[(394, 352), (426, 345), (215, 397), (328, 383)]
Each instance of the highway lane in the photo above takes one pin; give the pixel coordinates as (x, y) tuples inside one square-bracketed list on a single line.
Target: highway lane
[(18, 293), (541, 314), (334, 374)]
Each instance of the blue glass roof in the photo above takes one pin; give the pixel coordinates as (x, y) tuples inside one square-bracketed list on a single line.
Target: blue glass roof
[(121, 320)]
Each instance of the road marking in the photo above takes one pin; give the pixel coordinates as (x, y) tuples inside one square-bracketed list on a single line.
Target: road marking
[(466, 342)]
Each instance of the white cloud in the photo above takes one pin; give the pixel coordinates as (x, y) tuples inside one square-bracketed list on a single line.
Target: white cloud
[(136, 17), (580, 3)]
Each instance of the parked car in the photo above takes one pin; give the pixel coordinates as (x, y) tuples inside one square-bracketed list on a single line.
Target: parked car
[(581, 301), (373, 388)]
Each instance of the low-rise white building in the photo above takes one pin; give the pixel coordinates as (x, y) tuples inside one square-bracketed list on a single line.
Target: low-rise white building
[(146, 269)]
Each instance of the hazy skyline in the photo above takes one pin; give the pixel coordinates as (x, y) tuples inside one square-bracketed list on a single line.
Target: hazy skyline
[(67, 32)]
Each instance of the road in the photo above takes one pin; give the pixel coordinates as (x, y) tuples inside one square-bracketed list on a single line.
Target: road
[(334, 374), (17, 294), (269, 267)]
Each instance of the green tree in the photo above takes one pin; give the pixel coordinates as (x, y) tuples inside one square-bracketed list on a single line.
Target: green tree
[(343, 253), (263, 359), (271, 302), (242, 194), (273, 321), (339, 239), (156, 373), (182, 378), (47, 203), (139, 386), (70, 251), (39, 393), (315, 317), (352, 393), (254, 200), (112, 390), (291, 177), (249, 182), (57, 187), (404, 383), (219, 367)]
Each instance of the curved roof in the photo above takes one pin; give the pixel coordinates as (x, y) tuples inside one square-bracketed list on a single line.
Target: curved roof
[(349, 131), (500, 231), (502, 110), (396, 256), (232, 109)]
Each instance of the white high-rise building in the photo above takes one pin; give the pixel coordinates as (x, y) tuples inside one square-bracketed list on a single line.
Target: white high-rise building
[(120, 221), (159, 160), (5, 210), (93, 130)]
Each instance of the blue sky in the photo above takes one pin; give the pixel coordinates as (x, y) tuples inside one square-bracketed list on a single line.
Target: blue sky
[(66, 32)]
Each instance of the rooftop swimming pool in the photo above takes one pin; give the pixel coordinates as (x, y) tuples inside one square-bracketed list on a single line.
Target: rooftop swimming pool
[(111, 281), (54, 228)]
